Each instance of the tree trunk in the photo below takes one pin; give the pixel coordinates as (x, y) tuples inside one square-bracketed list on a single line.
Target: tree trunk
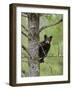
[(33, 33)]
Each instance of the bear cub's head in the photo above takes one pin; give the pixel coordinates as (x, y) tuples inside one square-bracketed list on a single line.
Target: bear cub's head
[(47, 40)]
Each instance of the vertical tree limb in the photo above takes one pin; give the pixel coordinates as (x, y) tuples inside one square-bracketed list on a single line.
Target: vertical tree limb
[(33, 29)]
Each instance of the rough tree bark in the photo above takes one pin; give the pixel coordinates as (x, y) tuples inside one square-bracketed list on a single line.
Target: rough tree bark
[(33, 33)]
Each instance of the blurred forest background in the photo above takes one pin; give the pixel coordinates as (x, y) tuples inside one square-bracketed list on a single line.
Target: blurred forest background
[(53, 63)]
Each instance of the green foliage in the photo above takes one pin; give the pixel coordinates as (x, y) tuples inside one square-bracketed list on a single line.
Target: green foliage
[(52, 66)]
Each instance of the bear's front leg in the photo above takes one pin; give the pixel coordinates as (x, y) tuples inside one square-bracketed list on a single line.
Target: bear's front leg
[(41, 60)]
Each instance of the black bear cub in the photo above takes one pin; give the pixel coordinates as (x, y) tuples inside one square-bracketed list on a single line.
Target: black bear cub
[(44, 48)]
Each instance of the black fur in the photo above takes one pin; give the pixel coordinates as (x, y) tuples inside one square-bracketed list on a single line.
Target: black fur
[(44, 48)]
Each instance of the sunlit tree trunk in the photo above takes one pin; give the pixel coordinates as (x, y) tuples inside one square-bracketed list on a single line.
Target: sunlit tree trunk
[(33, 33)]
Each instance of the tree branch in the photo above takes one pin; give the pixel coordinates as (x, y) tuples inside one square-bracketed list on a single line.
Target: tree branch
[(25, 35), (24, 28), (26, 50), (24, 14), (42, 28)]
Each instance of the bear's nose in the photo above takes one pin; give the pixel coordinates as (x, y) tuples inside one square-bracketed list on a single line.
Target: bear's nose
[(47, 42)]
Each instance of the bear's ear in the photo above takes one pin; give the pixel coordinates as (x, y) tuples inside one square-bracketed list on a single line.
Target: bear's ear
[(50, 38), (45, 37)]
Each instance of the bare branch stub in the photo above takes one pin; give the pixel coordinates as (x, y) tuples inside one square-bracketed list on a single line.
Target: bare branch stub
[(42, 28), (24, 28), (25, 35), (26, 50), (24, 14)]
